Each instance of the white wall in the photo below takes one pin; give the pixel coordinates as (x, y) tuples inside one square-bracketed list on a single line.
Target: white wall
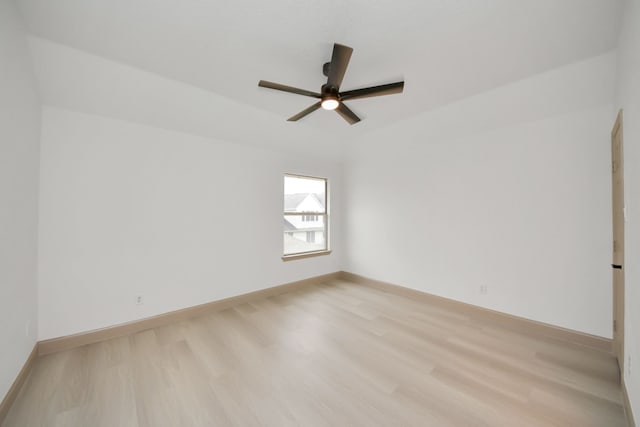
[(19, 145), (509, 189), (75, 80), (131, 210), (628, 98)]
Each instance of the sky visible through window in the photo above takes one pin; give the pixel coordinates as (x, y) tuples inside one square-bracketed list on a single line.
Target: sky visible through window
[(297, 185)]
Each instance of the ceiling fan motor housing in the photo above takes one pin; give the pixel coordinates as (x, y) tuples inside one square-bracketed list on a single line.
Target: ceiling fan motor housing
[(329, 91)]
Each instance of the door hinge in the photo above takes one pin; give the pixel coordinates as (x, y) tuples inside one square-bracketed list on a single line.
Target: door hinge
[(615, 326)]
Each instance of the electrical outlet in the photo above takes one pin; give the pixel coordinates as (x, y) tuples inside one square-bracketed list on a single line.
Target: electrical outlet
[(139, 300), (483, 289)]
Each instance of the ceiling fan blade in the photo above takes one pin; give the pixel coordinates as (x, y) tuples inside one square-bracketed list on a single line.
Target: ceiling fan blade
[(388, 89), (290, 89), (305, 112), (338, 66), (347, 114)]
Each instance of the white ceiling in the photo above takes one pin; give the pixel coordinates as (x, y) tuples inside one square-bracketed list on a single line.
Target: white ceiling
[(446, 50)]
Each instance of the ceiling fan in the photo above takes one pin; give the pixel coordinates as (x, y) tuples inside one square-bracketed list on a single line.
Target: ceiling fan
[(330, 96)]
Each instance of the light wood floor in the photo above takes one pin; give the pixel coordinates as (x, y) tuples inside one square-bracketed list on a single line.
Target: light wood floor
[(332, 355)]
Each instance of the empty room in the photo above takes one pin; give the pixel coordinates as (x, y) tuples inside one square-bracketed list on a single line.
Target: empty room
[(303, 213)]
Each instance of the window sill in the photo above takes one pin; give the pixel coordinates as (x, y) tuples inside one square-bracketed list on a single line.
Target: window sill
[(305, 255)]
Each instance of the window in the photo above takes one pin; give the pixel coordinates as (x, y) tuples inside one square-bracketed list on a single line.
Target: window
[(305, 215)]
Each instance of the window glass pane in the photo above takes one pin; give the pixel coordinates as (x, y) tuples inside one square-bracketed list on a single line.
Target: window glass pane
[(304, 195), (304, 236)]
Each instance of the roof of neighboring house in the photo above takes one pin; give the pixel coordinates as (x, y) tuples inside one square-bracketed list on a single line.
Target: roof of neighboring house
[(288, 226), (292, 201)]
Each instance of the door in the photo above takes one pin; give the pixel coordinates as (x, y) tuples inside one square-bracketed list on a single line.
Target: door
[(617, 181)]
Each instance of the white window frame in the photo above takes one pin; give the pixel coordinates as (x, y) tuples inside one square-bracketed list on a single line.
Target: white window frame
[(304, 215)]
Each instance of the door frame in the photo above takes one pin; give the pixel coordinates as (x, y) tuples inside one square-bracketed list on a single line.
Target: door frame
[(617, 276)]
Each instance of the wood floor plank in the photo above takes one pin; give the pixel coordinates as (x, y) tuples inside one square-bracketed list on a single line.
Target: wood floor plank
[(332, 354)]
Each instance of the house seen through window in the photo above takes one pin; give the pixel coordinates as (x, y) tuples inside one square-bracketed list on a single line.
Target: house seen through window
[(305, 214)]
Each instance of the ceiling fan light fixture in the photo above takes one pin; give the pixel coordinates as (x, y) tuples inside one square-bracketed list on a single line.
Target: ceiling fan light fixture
[(330, 103)]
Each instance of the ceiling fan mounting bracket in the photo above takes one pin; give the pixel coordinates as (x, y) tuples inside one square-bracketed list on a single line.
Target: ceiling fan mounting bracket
[(325, 68)]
